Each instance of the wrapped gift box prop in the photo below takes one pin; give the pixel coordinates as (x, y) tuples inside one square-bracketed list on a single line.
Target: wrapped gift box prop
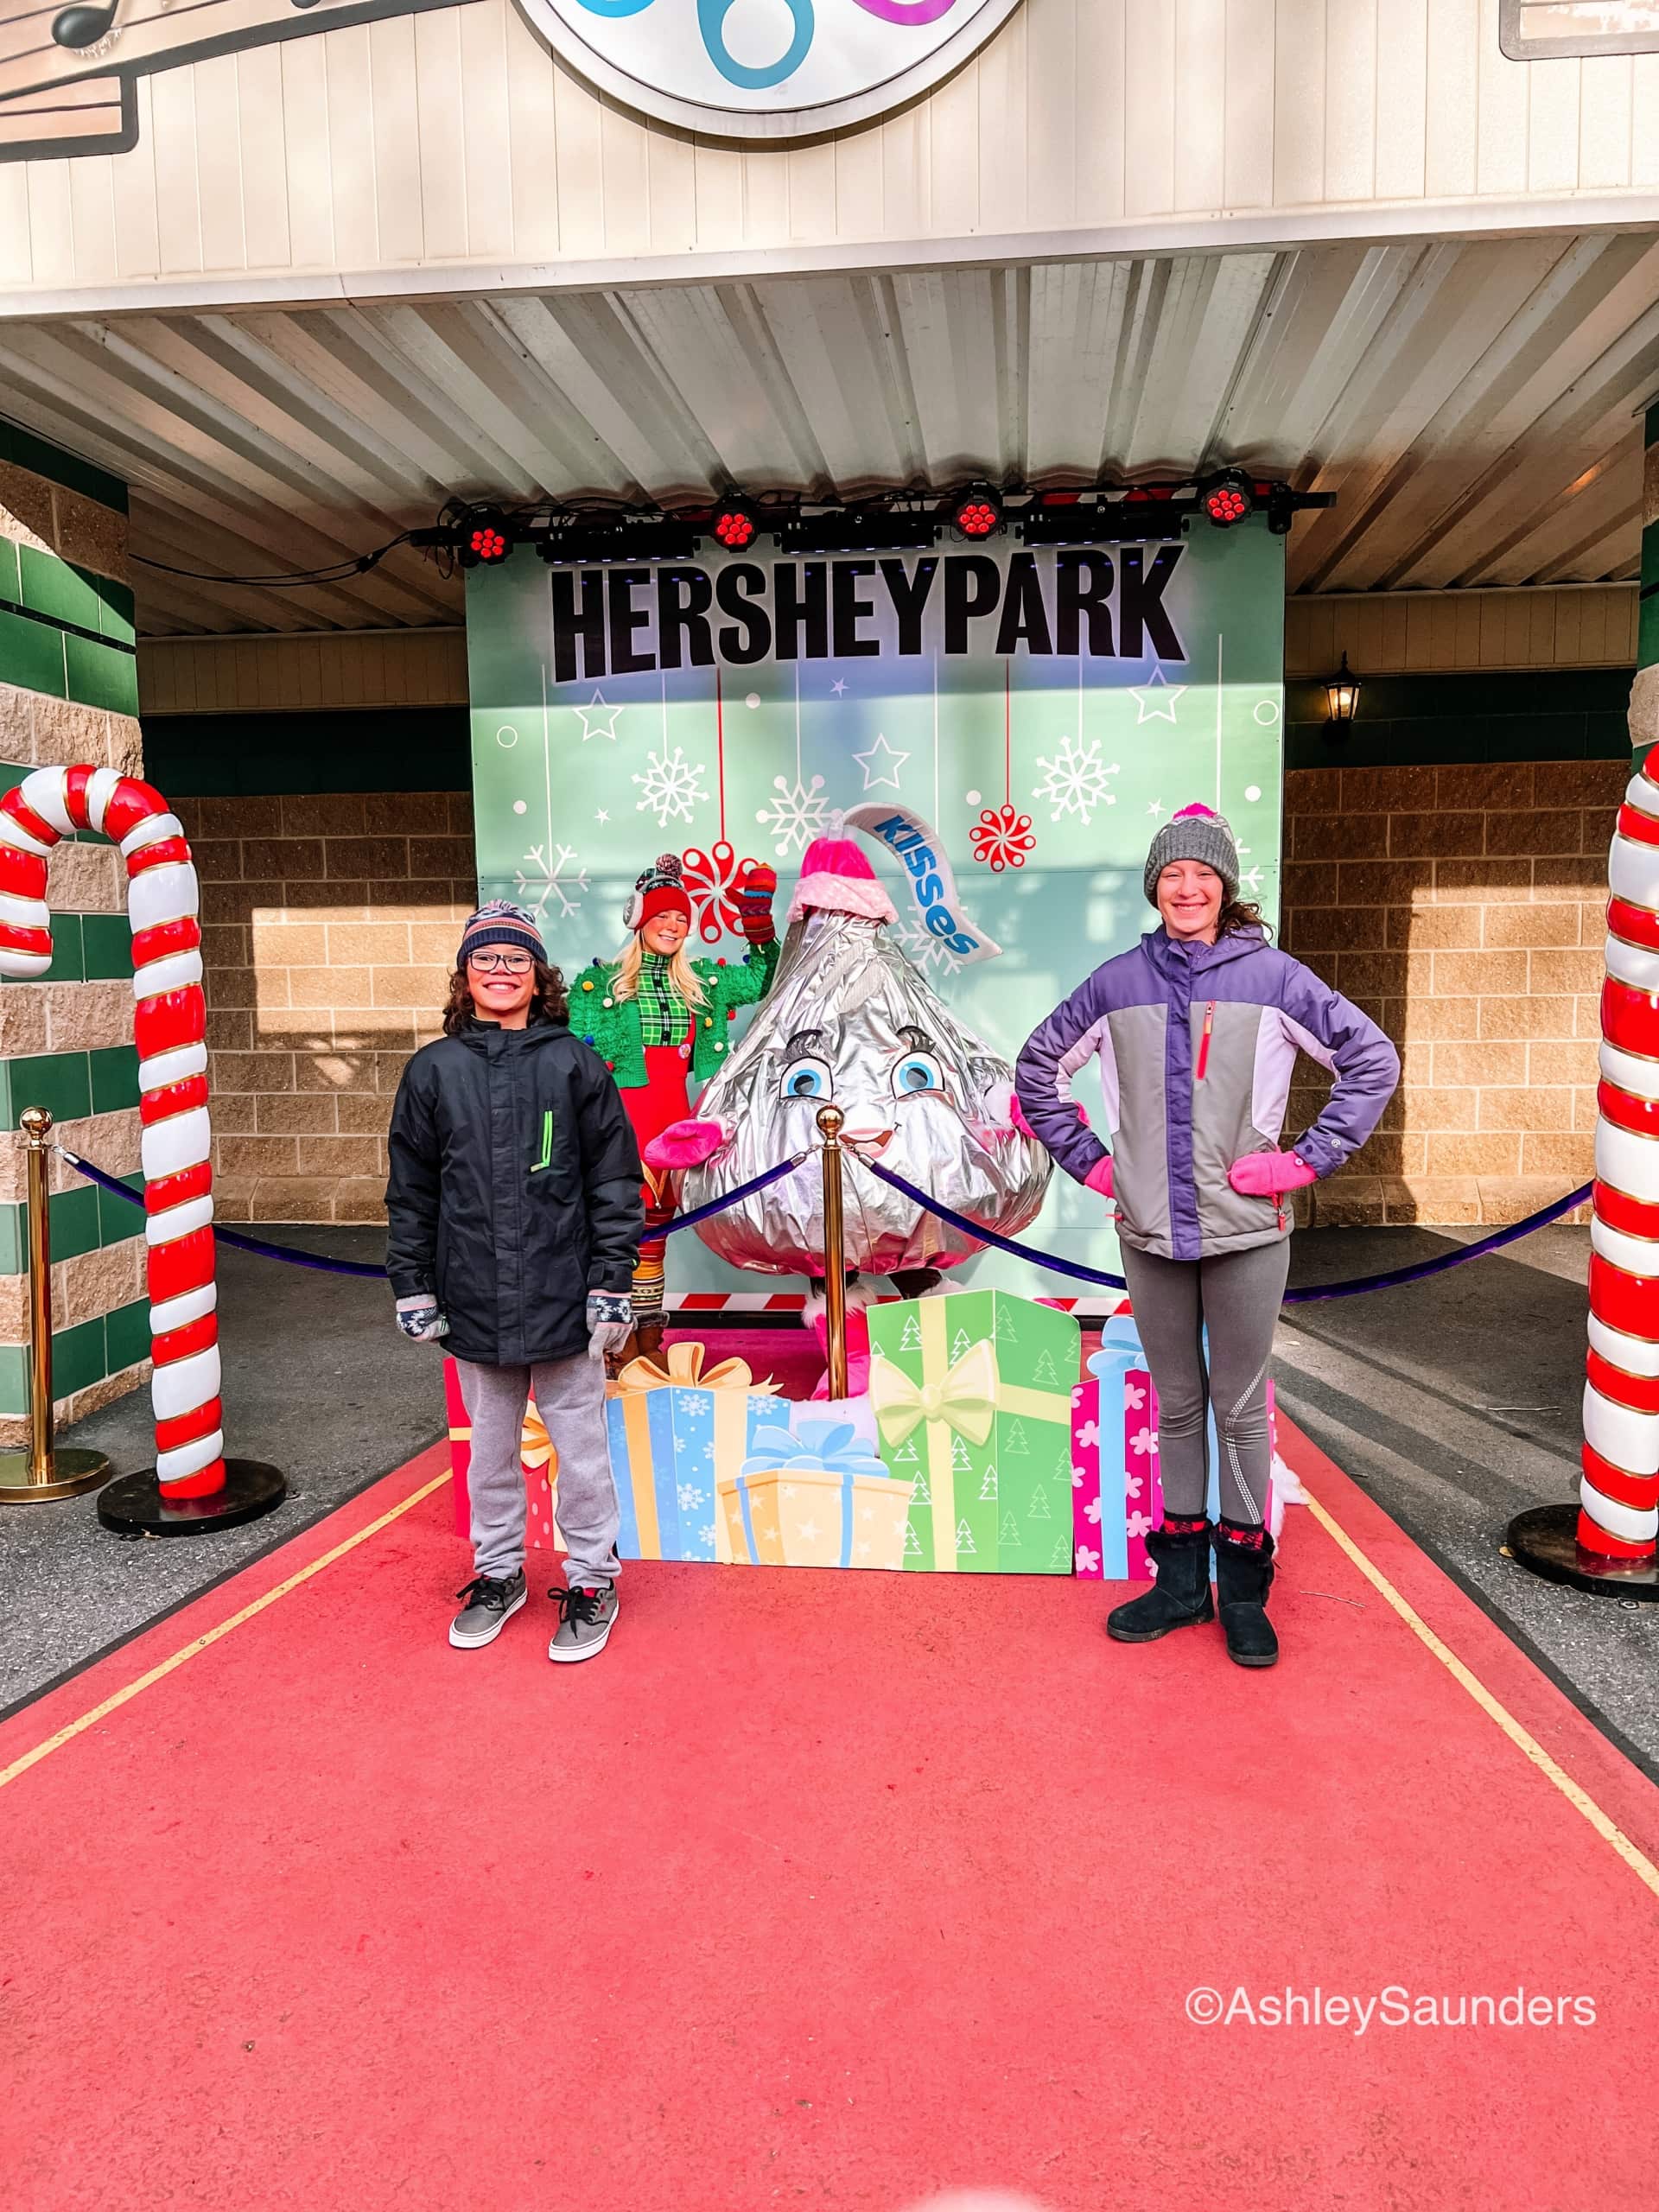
[(972, 1396), (537, 1455), (1118, 1490), (814, 1495), (676, 1432)]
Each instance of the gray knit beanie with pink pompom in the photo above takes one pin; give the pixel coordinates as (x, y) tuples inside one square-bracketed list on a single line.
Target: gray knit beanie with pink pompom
[(1196, 833)]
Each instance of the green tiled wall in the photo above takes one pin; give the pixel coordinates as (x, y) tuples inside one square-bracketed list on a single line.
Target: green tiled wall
[(24, 450), (84, 1354), (86, 948)]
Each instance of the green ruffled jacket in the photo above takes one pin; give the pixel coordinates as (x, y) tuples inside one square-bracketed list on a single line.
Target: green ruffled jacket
[(611, 1026)]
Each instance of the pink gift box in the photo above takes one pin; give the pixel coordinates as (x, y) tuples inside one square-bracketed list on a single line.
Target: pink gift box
[(1117, 1491)]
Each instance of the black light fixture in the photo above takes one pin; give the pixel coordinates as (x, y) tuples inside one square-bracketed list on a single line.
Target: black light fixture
[(977, 511), (734, 523), (1342, 692), (1227, 499), (485, 539), (861, 529), (592, 542)]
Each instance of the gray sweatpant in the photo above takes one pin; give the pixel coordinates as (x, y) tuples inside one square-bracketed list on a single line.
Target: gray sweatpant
[(1237, 1295), (570, 1398)]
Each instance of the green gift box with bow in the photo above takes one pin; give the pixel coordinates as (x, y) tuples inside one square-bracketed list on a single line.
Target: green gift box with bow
[(972, 1396)]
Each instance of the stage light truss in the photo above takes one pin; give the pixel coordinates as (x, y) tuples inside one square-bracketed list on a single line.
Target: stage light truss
[(1101, 515)]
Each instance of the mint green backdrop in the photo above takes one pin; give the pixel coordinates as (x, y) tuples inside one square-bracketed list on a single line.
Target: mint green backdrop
[(579, 784)]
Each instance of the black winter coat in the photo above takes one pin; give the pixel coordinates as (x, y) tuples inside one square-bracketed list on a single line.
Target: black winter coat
[(514, 1188)]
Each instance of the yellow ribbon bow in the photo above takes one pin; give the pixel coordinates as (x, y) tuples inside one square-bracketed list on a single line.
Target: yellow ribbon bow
[(966, 1398), (685, 1370)]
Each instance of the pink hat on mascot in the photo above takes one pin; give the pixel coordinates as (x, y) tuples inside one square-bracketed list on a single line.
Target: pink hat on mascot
[(836, 874)]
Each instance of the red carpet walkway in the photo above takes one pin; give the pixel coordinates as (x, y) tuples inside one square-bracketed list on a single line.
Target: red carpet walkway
[(840, 1892)]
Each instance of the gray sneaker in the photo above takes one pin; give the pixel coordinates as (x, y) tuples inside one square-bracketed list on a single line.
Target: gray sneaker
[(585, 1619), (489, 1607)]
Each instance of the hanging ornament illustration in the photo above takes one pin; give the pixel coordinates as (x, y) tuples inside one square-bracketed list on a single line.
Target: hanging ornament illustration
[(715, 878), (1003, 837)]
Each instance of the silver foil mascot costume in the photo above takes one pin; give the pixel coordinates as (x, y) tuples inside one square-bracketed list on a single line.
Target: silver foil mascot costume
[(851, 1019)]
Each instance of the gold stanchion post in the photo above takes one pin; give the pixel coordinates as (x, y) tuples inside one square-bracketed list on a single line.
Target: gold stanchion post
[(41, 1471), (834, 1266)]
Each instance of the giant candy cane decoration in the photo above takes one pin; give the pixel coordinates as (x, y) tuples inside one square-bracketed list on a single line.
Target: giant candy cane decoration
[(170, 1028), (1619, 1495)]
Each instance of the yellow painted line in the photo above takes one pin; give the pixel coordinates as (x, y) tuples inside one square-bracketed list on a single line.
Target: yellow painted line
[(197, 1644), (1526, 1743)]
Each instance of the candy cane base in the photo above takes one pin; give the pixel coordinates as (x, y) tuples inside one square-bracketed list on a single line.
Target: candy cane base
[(137, 1505), (192, 1484), (1545, 1539)]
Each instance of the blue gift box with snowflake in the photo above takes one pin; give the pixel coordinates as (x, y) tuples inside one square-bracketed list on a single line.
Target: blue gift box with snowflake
[(675, 1431)]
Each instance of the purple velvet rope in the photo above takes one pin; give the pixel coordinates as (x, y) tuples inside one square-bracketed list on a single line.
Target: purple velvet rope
[(1306, 1296), (294, 1258)]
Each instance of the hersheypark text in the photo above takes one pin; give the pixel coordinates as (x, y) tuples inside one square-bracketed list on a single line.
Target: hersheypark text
[(626, 621)]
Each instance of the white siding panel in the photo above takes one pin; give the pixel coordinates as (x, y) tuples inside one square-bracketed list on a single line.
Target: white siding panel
[(1401, 57), (1351, 33), (454, 137), (1250, 52)]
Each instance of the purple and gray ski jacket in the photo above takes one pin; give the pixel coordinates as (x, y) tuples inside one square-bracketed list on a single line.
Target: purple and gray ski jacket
[(1196, 1043)]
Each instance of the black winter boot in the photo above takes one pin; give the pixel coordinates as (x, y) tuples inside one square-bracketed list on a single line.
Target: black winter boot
[(1180, 1596), (1243, 1577)]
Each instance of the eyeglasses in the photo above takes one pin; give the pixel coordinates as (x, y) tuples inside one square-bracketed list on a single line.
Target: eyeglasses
[(511, 963)]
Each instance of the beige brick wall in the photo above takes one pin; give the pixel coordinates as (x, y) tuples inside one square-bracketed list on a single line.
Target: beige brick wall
[(1463, 908), (329, 926)]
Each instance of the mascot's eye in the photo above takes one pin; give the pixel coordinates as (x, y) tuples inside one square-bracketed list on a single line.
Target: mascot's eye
[(806, 1077), (916, 1073)]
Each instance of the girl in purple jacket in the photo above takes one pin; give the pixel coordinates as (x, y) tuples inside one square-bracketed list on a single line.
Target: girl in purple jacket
[(1197, 1031)]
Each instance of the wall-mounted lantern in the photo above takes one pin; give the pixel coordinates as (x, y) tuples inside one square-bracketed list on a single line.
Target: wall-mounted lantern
[(1342, 691)]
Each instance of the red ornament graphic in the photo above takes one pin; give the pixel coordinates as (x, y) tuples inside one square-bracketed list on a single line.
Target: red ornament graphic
[(713, 879), (1002, 838)]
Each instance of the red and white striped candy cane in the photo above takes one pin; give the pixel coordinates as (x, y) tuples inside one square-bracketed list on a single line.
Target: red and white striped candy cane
[(170, 1030), (1619, 1497)]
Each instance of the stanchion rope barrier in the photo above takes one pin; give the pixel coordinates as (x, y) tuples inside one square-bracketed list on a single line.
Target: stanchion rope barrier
[(1305, 1296), (1308, 1294), (293, 1257)]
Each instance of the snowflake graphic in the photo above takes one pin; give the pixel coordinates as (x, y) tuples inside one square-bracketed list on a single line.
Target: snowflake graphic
[(1087, 1560), (690, 1496), (551, 881), (1074, 782), (923, 949), (672, 785), (695, 1402), (795, 815)]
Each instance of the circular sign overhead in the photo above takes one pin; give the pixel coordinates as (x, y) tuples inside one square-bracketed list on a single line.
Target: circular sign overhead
[(765, 69)]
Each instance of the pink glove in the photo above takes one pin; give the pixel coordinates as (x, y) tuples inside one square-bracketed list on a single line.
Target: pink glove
[(1099, 1177), (685, 1144), (1269, 1174)]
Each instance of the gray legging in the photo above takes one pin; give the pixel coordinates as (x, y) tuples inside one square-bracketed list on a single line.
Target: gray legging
[(1237, 1295)]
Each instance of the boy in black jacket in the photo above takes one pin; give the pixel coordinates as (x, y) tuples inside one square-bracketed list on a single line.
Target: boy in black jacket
[(514, 1219)]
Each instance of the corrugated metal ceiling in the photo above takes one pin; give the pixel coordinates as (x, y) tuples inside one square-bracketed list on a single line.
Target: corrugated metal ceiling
[(1472, 404)]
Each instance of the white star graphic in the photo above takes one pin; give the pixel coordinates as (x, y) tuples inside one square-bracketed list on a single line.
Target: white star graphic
[(892, 760), (602, 815), (598, 720), (1155, 808), (1160, 706), (1253, 880), (838, 686)]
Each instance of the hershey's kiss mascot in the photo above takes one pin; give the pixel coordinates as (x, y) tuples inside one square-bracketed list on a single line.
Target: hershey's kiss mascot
[(851, 1020)]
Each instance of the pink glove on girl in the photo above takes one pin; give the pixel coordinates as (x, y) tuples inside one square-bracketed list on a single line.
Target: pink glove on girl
[(1269, 1174), (1099, 1177)]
